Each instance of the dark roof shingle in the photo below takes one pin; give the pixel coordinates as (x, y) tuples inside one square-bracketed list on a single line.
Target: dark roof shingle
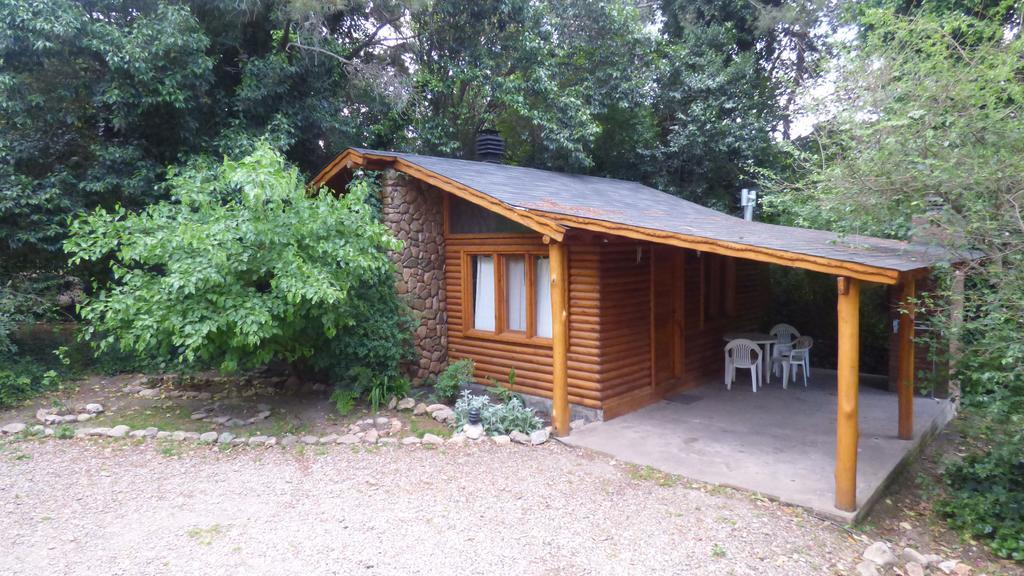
[(633, 204)]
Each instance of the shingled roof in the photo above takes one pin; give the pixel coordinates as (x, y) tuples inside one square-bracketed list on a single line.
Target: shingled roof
[(632, 209)]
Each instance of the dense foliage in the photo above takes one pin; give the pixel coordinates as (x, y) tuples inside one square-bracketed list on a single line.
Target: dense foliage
[(924, 138), (241, 268)]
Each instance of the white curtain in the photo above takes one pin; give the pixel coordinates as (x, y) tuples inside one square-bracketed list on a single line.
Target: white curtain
[(515, 292), (483, 294), (542, 285)]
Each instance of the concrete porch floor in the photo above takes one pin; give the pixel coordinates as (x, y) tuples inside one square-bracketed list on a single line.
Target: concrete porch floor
[(779, 443)]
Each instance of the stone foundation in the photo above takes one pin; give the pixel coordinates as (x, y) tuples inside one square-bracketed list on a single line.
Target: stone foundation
[(415, 214)]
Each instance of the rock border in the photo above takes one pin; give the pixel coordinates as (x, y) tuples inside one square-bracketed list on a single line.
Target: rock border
[(381, 430)]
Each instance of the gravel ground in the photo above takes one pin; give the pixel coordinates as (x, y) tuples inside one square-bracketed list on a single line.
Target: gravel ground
[(113, 507)]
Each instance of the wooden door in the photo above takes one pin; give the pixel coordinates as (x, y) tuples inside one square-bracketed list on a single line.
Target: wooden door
[(667, 297)]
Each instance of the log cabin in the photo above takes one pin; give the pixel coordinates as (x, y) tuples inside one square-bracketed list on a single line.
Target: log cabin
[(606, 295)]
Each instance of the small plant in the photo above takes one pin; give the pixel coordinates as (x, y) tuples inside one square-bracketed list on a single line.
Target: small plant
[(64, 432), (344, 400), (205, 536), (718, 551), (497, 419), (454, 376)]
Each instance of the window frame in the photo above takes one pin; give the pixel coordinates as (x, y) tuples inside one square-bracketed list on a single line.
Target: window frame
[(501, 331)]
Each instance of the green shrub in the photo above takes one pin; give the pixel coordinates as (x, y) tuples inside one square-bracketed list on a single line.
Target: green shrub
[(376, 388), (986, 497), (241, 268), (21, 380), (454, 376), (497, 419), (64, 432)]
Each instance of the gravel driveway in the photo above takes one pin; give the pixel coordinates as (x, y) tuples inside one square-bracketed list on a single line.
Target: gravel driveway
[(82, 507)]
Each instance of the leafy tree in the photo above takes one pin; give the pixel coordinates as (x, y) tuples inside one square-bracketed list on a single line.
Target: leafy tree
[(240, 268), (925, 138)]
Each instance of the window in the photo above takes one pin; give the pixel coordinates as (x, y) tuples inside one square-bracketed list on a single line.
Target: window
[(542, 297), (515, 293), (510, 294), (483, 293), (718, 286)]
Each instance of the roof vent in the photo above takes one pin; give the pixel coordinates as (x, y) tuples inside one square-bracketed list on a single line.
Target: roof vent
[(490, 147)]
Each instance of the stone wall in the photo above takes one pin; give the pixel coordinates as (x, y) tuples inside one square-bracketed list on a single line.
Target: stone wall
[(415, 213)]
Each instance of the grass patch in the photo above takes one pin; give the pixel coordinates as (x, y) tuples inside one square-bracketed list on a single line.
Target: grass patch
[(418, 430), (718, 551), (648, 474), (205, 536)]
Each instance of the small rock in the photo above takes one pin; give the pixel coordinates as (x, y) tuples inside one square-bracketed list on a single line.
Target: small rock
[(911, 555), (501, 440), (70, 419), (457, 439), (473, 431), (519, 437), (914, 569), (37, 429), (371, 437), (392, 403), (880, 554), (41, 414), (208, 437), (389, 440), (98, 431), (150, 432), (396, 427), (220, 419), (348, 439), (178, 435), (931, 560), (446, 416), (947, 566), (409, 440), (420, 408), (199, 415), (262, 415), (84, 417), (538, 437), (310, 439), (13, 428), (238, 441), (381, 421), (867, 568), (288, 441), (234, 422), (149, 392), (435, 407), (119, 431), (193, 436), (47, 431), (258, 441), (136, 433), (962, 569), (163, 434), (272, 441), (406, 404), (204, 396), (94, 408), (432, 439), (225, 438), (329, 439)]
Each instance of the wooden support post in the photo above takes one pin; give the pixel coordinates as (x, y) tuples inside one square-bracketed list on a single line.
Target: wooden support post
[(848, 310), (560, 339), (905, 385)]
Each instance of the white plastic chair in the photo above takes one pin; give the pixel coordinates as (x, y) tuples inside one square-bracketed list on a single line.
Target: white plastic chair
[(784, 335), (742, 353), (797, 358)]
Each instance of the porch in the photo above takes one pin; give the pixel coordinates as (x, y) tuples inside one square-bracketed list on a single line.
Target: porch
[(780, 443)]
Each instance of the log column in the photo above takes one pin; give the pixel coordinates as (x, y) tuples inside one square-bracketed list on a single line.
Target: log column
[(848, 371), (559, 338), (905, 385)]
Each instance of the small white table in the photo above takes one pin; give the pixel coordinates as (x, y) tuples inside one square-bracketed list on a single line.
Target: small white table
[(761, 339)]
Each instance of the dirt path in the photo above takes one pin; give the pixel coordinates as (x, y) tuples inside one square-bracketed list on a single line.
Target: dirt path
[(111, 507)]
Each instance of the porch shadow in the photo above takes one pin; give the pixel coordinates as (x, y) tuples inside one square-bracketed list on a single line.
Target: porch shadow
[(780, 443)]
